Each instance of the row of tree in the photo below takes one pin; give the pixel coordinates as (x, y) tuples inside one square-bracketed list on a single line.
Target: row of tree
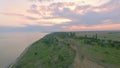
[(94, 40)]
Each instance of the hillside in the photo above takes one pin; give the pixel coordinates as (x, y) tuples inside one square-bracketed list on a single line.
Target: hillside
[(73, 50)]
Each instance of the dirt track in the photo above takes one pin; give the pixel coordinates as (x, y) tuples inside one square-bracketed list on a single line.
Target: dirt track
[(81, 61)]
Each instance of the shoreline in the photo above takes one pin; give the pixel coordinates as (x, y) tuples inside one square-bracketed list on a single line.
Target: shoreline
[(19, 57), (22, 54)]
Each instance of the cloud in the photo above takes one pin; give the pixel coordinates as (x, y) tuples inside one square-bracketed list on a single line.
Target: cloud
[(19, 15), (11, 14), (68, 14), (93, 27), (40, 0), (45, 0), (89, 15), (33, 6), (31, 18), (32, 0), (51, 22)]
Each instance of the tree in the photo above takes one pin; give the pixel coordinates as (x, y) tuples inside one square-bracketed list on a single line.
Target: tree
[(86, 36), (96, 36)]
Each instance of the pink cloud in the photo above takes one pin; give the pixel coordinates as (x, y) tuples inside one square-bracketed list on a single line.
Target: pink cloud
[(105, 26), (11, 14), (73, 13), (85, 9)]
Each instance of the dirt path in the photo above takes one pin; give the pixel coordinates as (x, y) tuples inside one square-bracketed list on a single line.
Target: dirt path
[(77, 62), (81, 61)]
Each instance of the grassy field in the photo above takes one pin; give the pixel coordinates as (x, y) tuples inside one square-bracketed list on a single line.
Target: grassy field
[(66, 49), (49, 52), (112, 35), (105, 49)]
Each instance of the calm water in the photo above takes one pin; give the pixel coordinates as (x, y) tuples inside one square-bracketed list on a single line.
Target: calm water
[(13, 44)]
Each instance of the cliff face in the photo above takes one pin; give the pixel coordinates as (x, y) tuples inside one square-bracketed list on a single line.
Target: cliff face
[(72, 50)]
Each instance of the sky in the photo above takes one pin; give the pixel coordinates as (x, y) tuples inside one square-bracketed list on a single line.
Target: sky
[(59, 15)]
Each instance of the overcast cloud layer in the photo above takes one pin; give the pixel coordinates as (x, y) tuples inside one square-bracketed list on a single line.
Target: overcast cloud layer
[(59, 15)]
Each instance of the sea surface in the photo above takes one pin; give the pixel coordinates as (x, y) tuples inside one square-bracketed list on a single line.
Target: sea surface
[(13, 44)]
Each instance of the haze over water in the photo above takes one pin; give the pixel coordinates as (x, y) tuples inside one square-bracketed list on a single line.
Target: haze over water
[(13, 44)]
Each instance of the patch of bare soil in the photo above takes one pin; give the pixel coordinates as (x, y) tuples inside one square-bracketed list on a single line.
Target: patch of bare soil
[(81, 61)]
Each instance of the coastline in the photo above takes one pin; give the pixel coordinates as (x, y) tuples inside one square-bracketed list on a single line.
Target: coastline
[(19, 57), (84, 60), (22, 54)]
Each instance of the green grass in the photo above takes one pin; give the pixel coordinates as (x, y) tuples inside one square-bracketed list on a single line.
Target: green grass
[(108, 57), (54, 50), (113, 35), (47, 53), (101, 51)]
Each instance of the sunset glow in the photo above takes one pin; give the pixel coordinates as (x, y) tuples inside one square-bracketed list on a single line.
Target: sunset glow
[(94, 27), (60, 14)]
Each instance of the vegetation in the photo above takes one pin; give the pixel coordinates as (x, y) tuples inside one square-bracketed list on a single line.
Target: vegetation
[(49, 52), (55, 51), (103, 51)]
